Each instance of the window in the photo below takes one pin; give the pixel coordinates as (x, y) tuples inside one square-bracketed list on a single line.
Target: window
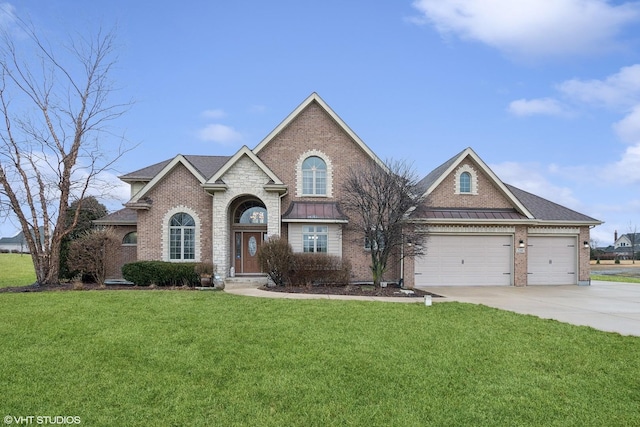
[(130, 238), (465, 182), (314, 238), (250, 212), (314, 176), (182, 237)]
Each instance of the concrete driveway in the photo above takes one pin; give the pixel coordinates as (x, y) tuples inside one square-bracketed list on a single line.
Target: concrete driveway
[(607, 306)]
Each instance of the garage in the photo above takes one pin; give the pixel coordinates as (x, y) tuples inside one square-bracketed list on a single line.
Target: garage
[(552, 260), (469, 260)]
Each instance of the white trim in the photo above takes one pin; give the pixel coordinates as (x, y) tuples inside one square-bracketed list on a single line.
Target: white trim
[(329, 183), (314, 97), (179, 159), (474, 180), (556, 230), (468, 152), (165, 234), (470, 229)]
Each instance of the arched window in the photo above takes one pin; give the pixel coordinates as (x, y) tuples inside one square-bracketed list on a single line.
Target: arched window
[(314, 176), (465, 182), (182, 237), (130, 238), (250, 212)]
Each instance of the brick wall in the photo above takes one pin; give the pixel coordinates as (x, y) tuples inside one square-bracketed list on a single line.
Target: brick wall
[(314, 132), (178, 189), (489, 196)]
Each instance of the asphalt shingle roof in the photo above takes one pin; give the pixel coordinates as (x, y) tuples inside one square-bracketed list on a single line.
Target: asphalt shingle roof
[(206, 165), (547, 210)]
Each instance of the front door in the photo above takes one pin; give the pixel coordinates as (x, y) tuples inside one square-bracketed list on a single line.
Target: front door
[(247, 244)]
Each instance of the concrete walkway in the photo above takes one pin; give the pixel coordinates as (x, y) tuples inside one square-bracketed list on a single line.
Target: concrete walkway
[(607, 306)]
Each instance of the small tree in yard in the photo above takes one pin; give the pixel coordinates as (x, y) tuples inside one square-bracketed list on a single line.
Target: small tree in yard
[(55, 106), (91, 252), (377, 199)]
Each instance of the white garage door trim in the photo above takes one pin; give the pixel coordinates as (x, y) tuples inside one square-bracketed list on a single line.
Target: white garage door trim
[(466, 260), (552, 260)]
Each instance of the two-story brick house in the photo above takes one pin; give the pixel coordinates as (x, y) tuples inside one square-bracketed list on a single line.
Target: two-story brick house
[(221, 208)]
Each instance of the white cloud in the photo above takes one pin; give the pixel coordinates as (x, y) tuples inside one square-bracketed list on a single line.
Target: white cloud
[(625, 171), (620, 90), (219, 133), (628, 129), (530, 107), (213, 114), (532, 28), (532, 177)]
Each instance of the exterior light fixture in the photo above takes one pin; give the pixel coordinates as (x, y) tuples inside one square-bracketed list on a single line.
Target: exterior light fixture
[(586, 244), (521, 243)]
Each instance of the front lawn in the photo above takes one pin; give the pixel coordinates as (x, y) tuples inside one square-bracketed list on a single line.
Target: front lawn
[(140, 358), (16, 270)]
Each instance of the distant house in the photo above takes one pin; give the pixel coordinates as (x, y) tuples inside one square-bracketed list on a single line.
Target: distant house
[(220, 209), (624, 247), (17, 243)]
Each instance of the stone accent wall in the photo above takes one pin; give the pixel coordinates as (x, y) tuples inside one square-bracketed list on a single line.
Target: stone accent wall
[(488, 195), (314, 131), (244, 178), (584, 267), (178, 188)]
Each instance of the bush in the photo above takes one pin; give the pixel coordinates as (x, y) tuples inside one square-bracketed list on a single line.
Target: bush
[(89, 253), (320, 269), (276, 259), (160, 273)]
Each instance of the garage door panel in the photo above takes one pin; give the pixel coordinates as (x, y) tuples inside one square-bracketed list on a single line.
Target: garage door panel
[(552, 260), (454, 260)]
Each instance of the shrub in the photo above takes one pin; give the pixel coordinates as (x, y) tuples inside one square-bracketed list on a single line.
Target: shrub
[(276, 259), (320, 269), (89, 253), (160, 273)]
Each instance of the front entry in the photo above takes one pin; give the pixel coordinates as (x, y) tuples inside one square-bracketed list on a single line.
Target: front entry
[(247, 244)]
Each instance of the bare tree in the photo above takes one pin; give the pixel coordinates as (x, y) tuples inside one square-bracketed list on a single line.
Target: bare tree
[(377, 199), (56, 105)]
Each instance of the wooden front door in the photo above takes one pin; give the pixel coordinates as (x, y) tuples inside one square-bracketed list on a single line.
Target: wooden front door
[(247, 244)]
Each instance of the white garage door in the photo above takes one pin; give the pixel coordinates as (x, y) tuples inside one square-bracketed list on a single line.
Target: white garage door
[(465, 261), (552, 260)]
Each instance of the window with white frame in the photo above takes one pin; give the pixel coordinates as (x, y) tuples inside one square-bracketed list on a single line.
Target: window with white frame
[(314, 176), (315, 238), (182, 237)]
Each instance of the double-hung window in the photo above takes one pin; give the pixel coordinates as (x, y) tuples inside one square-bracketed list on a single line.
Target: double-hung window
[(182, 237), (315, 238)]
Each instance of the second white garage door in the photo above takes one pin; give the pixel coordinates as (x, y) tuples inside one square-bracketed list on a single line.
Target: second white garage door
[(552, 260), (452, 260)]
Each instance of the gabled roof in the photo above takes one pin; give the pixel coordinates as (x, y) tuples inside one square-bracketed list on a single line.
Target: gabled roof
[(244, 151), (168, 167), (435, 178), (205, 165), (546, 210), (314, 97)]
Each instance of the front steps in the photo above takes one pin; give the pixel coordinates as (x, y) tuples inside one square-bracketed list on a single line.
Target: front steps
[(240, 282)]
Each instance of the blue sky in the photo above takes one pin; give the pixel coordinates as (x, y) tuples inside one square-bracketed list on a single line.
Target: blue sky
[(547, 92)]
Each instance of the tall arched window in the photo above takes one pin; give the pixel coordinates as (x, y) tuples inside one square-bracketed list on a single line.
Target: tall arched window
[(314, 176), (182, 237), (465, 182)]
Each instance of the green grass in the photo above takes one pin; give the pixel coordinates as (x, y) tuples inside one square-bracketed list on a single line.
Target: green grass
[(174, 358), (16, 270), (612, 278)]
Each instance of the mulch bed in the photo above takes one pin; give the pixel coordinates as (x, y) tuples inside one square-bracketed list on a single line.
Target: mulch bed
[(354, 290)]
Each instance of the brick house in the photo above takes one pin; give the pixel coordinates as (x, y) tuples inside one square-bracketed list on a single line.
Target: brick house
[(480, 230)]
